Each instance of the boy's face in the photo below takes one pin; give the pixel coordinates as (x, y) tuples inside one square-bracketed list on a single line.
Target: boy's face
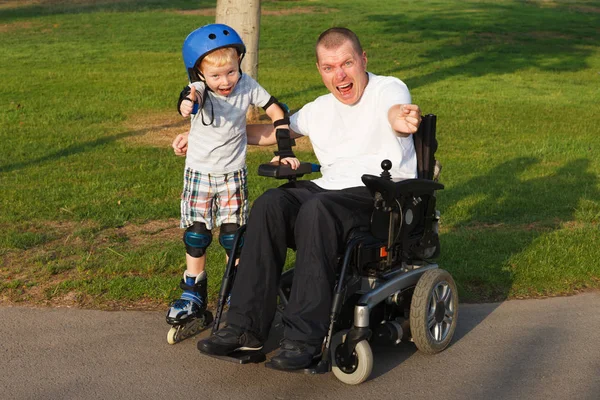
[(344, 72), (222, 80)]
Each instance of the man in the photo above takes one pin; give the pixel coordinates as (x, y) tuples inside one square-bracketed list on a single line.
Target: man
[(364, 119)]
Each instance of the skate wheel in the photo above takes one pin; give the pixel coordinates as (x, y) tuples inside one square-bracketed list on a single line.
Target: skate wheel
[(172, 335), (208, 319)]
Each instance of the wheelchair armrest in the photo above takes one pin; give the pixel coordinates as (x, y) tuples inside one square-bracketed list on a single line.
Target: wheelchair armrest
[(417, 186), (391, 190), (284, 171)]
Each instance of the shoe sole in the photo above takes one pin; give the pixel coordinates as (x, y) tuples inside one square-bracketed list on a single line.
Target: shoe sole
[(246, 348), (208, 350), (279, 366)]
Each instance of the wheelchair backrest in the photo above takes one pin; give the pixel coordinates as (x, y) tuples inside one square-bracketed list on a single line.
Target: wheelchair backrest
[(426, 146), (407, 219)]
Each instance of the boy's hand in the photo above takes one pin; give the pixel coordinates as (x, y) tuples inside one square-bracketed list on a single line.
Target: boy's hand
[(293, 162), (187, 105), (180, 144)]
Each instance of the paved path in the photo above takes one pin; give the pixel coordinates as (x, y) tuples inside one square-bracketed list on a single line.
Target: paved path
[(528, 349)]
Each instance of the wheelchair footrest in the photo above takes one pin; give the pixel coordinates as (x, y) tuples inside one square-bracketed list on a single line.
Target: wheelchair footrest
[(317, 367), (242, 357)]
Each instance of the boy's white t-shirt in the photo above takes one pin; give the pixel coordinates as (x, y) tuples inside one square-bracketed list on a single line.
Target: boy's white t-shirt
[(220, 147), (352, 140)]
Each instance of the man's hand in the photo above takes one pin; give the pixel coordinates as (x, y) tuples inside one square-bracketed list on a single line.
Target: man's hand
[(180, 144), (293, 162), (187, 105), (405, 118)]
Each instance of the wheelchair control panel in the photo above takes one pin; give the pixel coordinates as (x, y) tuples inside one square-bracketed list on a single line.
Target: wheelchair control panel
[(284, 171), (278, 170)]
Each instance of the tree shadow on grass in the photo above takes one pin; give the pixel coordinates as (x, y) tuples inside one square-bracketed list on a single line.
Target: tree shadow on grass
[(82, 147), (493, 39), (503, 215), (482, 39), (84, 7)]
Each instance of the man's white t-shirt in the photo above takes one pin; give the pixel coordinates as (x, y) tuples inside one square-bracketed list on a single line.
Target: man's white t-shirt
[(220, 147), (352, 140)]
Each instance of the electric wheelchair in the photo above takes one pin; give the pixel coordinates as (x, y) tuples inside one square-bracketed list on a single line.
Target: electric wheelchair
[(388, 288)]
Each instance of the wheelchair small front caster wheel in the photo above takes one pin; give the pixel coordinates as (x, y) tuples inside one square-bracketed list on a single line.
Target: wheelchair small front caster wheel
[(434, 311), (356, 369)]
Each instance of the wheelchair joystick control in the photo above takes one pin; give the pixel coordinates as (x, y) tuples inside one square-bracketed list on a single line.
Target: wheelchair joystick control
[(386, 165)]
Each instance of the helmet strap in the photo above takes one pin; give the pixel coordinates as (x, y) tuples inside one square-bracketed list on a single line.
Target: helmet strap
[(212, 107), (241, 59)]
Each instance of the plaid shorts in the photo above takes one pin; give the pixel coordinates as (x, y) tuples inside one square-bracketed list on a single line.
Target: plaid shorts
[(214, 199)]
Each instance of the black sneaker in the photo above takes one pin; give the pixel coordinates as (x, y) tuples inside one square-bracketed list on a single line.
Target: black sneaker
[(295, 355), (228, 340)]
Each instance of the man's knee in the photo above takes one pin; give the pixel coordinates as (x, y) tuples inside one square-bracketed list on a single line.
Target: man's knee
[(321, 217), (316, 205), (196, 239), (269, 200)]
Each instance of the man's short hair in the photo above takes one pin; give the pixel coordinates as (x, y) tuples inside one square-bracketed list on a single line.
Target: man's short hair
[(334, 37)]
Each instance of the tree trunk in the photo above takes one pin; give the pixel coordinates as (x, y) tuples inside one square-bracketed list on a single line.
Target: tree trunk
[(244, 17)]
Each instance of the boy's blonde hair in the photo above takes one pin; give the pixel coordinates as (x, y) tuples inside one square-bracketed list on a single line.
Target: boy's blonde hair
[(220, 57)]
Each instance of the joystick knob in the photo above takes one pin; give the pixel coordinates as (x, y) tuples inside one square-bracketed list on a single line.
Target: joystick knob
[(386, 165)]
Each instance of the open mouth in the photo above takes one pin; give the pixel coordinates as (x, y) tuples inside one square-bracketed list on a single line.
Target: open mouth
[(345, 89), (225, 91)]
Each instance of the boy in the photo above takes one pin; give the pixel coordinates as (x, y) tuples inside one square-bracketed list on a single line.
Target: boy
[(218, 98)]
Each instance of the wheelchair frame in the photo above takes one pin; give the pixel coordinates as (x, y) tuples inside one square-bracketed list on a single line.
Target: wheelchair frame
[(387, 269)]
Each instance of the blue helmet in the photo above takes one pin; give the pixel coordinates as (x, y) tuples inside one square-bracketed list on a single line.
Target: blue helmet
[(206, 39)]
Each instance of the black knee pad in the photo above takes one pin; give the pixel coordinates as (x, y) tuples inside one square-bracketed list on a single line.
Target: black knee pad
[(226, 238), (197, 238)]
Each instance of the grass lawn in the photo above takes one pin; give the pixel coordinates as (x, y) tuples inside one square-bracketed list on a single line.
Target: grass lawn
[(90, 189)]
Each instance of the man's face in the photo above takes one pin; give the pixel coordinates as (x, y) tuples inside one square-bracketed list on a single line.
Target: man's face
[(343, 71), (222, 80)]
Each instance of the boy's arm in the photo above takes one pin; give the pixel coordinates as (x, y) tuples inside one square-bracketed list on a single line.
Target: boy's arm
[(278, 115), (264, 134), (180, 144), (261, 134), (189, 99)]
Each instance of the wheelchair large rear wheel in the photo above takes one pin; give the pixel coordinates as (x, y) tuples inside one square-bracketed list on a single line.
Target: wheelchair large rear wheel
[(434, 311), (359, 368)]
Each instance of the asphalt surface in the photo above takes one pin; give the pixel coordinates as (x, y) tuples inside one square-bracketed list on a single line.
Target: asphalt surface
[(523, 349)]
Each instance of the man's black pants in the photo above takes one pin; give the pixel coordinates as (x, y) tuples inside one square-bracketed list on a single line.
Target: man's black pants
[(315, 222)]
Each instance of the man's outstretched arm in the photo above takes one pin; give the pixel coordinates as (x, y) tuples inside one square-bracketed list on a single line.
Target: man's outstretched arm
[(404, 119)]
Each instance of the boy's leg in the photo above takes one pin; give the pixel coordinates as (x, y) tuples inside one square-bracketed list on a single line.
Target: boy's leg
[(192, 303), (197, 202), (193, 300), (195, 265), (232, 208), (196, 217)]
